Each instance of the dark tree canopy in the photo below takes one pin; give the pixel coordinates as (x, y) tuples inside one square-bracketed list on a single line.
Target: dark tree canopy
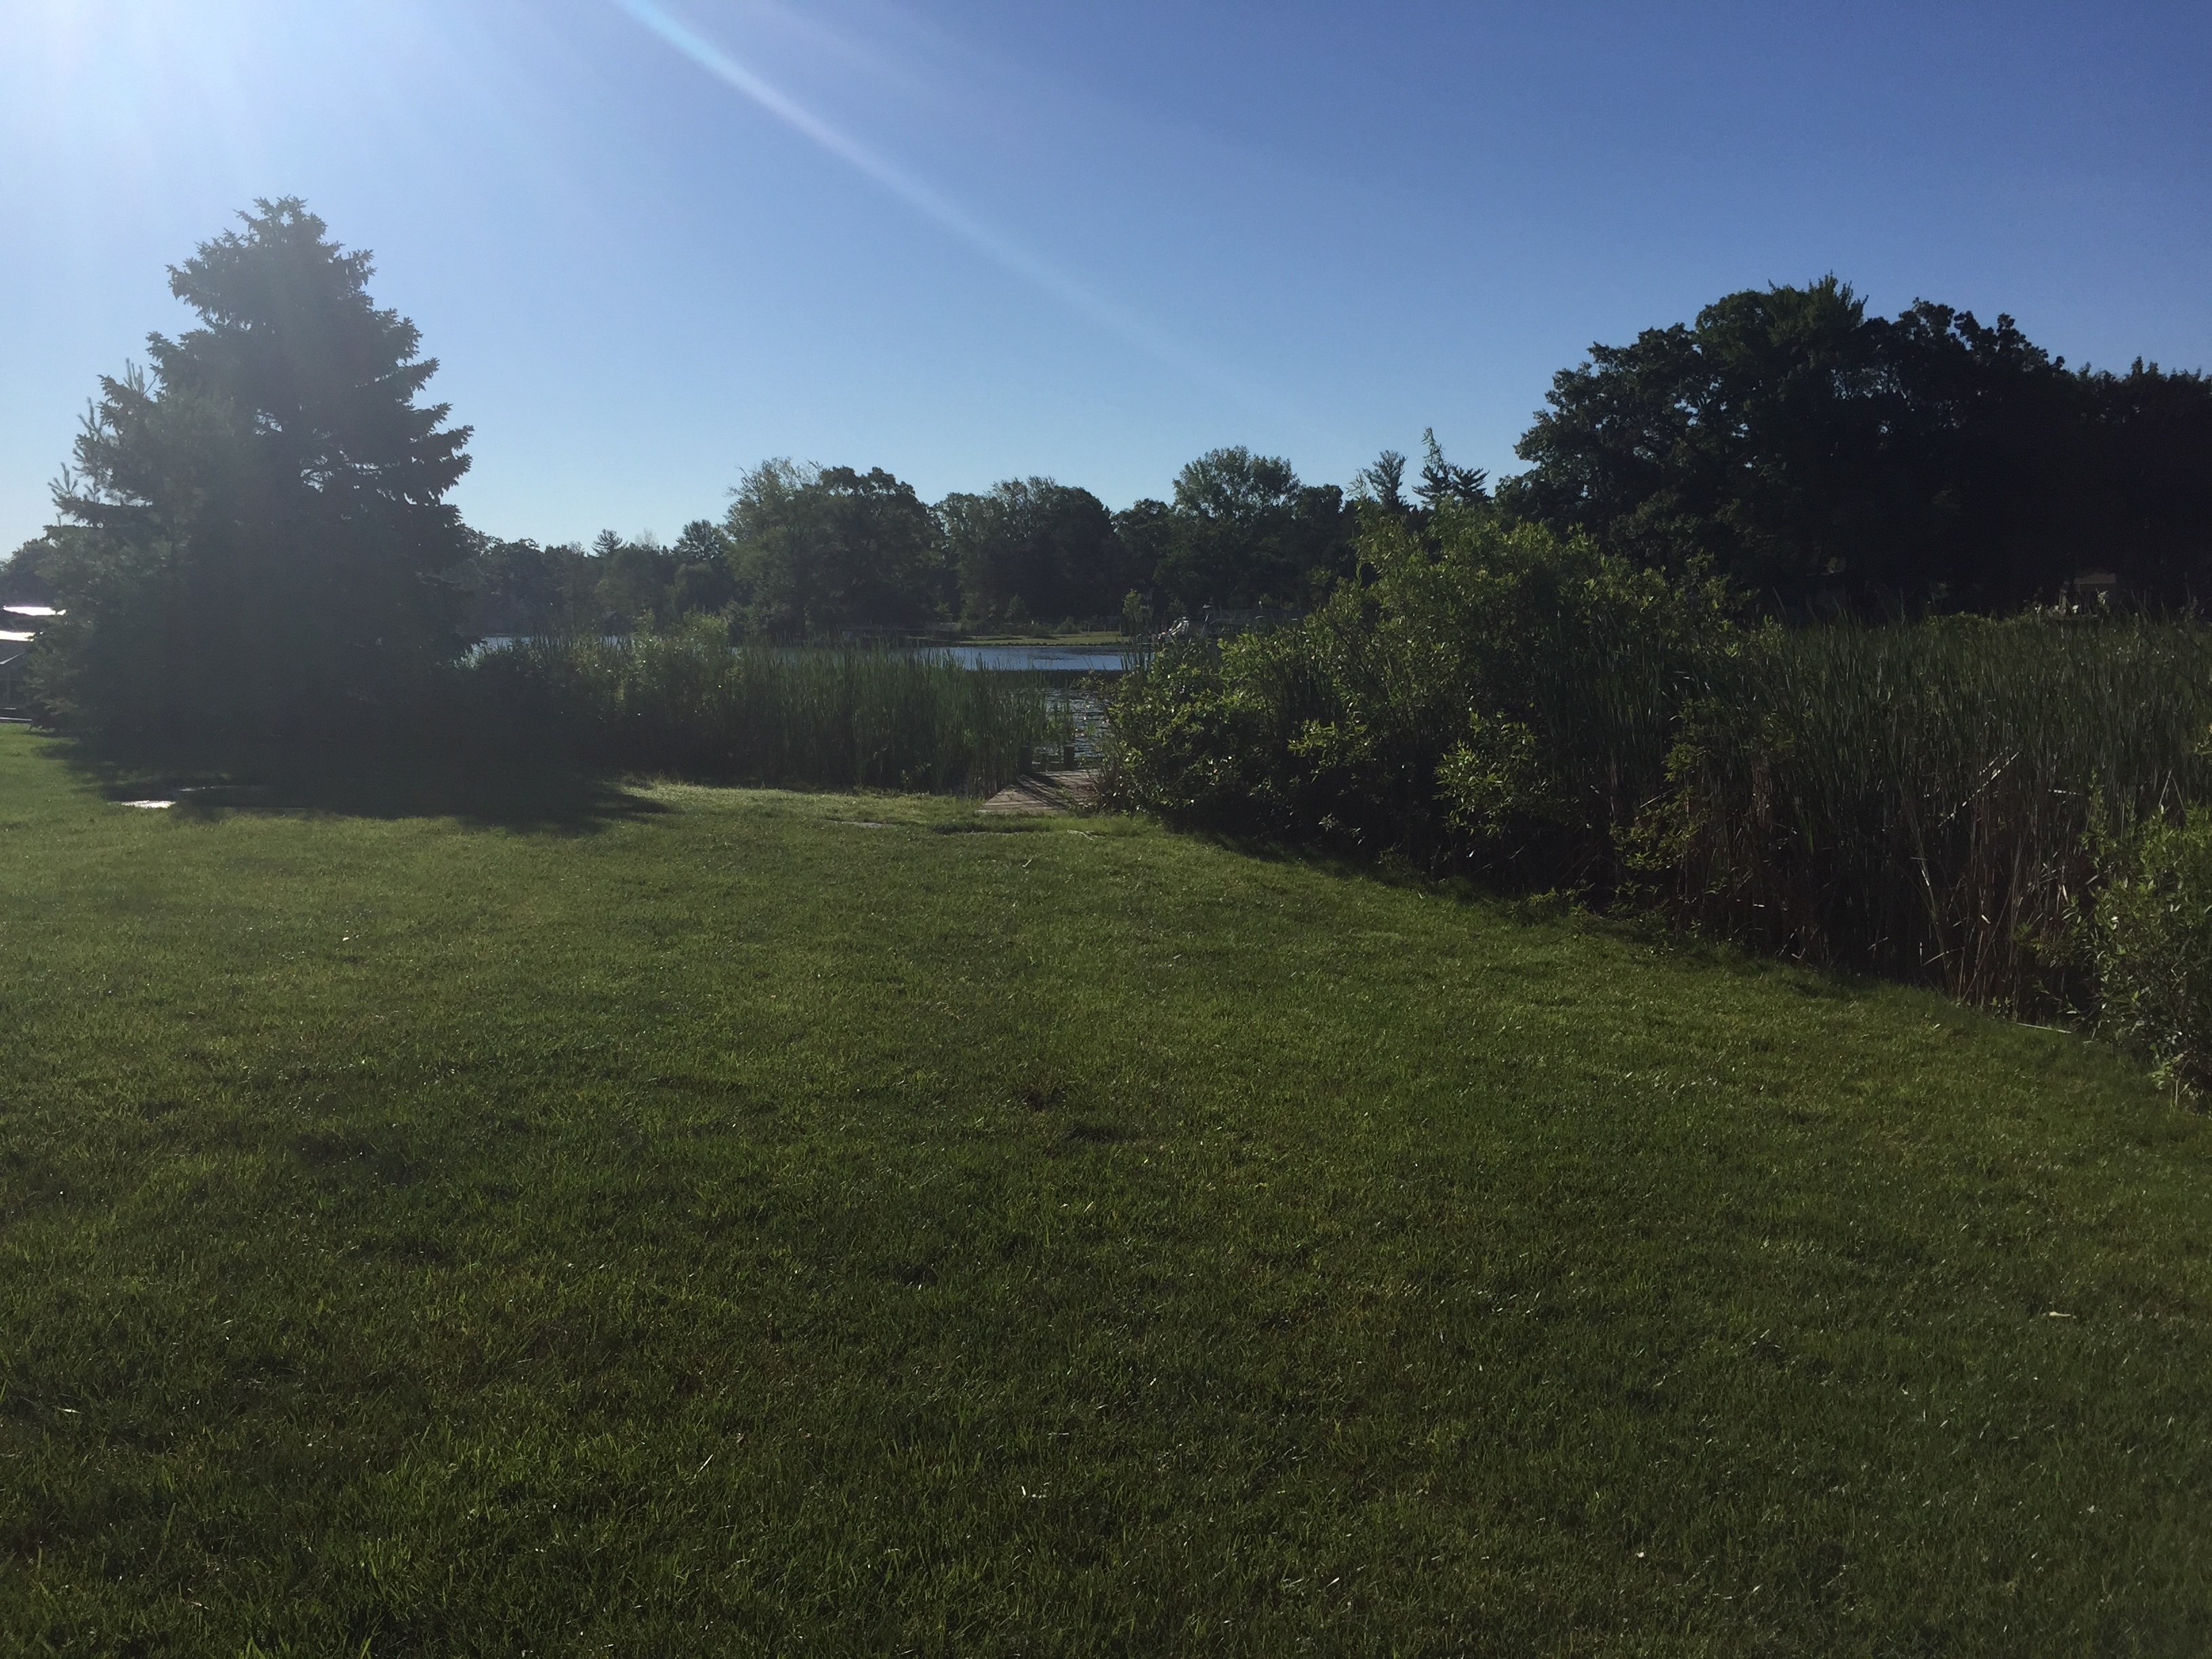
[(1811, 450), (632, 590), (705, 579), (1243, 531), (1034, 548), (820, 550), (1380, 487), (619, 586), (1442, 481), (1147, 530), (22, 577), (256, 531), (520, 588)]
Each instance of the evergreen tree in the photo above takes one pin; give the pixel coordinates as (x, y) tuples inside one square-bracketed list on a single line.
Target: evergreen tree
[(255, 538)]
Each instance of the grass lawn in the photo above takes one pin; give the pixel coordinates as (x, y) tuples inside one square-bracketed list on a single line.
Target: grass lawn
[(701, 1221)]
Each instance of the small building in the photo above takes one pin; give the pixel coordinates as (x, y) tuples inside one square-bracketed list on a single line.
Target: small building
[(23, 621), (14, 652), (2087, 588)]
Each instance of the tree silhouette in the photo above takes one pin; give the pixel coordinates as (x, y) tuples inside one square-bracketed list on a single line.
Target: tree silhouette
[(256, 532)]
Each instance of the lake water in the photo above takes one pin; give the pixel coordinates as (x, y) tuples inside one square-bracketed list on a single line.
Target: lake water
[(1052, 658), (1031, 659)]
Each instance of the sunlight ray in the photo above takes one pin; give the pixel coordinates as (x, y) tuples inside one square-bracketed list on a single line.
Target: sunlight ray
[(994, 244)]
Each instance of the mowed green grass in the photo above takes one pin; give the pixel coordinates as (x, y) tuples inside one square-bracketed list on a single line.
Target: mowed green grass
[(689, 1221)]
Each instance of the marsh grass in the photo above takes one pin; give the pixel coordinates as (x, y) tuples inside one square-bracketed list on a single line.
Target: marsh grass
[(690, 705), (1926, 800)]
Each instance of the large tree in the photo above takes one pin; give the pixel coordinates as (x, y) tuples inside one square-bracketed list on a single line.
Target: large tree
[(820, 549), (1811, 451), (1049, 548), (256, 540), (1243, 531)]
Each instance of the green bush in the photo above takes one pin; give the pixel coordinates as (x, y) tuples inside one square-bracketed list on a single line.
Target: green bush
[(2151, 938), (1486, 693), (1920, 799)]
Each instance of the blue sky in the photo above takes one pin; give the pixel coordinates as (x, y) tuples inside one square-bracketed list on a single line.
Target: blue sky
[(654, 242)]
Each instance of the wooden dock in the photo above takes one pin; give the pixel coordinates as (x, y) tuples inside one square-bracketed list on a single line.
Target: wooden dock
[(1043, 793)]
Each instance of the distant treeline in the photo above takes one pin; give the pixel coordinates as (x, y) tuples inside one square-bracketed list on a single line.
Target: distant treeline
[(808, 552), (1821, 459)]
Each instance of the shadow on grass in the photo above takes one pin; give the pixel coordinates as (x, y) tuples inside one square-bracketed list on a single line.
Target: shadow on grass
[(1493, 892), (533, 796)]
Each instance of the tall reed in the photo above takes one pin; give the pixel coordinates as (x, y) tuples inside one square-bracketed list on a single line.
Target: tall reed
[(690, 704), (1921, 799)]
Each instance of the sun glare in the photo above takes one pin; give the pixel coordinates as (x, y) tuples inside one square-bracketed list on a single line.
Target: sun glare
[(995, 245)]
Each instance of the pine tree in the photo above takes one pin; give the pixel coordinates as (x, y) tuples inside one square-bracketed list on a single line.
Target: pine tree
[(256, 531)]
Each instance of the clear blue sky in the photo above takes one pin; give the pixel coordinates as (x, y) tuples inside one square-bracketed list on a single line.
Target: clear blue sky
[(654, 243)]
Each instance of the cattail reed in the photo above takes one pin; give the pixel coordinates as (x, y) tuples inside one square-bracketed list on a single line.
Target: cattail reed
[(829, 717), (1921, 800)]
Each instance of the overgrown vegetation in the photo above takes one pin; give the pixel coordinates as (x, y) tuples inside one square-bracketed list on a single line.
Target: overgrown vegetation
[(689, 705), (2150, 939), (1928, 799), (1491, 693), (690, 1221), (1918, 799)]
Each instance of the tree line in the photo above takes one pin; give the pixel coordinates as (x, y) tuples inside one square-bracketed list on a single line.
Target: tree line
[(1815, 454), (808, 551), (256, 524)]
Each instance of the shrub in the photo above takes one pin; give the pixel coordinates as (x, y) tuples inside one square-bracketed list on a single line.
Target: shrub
[(2151, 938), (1920, 799), (1489, 693)]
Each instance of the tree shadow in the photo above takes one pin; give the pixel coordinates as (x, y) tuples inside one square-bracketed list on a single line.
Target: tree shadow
[(525, 795), (1525, 904)]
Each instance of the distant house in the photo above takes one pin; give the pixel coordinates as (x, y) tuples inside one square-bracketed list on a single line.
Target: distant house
[(15, 649), (2089, 587), (1220, 622), (23, 623)]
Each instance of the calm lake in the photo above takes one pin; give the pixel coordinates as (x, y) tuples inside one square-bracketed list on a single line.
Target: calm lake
[(1042, 658), (1052, 658)]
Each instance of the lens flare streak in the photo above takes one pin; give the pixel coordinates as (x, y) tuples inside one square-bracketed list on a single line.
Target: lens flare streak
[(993, 244)]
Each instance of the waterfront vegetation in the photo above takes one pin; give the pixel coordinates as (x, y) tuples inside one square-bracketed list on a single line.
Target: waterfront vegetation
[(1938, 800), (689, 703), (691, 1220)]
